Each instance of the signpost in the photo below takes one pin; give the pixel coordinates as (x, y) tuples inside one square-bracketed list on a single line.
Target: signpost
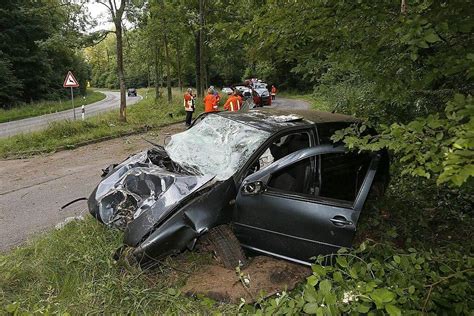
[(71, 82)]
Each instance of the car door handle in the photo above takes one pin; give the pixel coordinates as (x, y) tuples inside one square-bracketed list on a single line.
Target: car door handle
[(340, 221)]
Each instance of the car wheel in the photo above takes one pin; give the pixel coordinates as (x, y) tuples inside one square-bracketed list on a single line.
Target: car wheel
[(226, 247)]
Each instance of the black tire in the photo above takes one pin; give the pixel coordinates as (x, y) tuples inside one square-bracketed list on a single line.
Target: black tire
[(226, 247)]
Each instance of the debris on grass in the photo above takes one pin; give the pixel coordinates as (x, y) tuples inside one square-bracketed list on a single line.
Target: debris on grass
[(67, 220)]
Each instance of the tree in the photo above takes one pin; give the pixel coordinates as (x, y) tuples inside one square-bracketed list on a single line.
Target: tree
[(39, 43), (117, 9)]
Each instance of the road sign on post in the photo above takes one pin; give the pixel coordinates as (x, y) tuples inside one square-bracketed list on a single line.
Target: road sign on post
[(71, 82)]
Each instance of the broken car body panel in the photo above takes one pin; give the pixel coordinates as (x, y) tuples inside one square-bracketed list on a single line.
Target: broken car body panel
[(165, 199)]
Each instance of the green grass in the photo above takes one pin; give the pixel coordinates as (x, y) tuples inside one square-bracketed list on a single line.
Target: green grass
[(40, 108), (72, 270), (144, 115)]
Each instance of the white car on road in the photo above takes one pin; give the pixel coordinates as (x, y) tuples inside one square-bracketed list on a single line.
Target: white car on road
[(227, 90)]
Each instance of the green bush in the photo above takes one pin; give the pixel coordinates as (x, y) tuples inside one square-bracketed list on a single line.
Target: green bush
[(377, 279), (439, 146)]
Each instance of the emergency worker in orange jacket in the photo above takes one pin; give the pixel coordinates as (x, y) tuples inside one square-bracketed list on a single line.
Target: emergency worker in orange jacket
[(273, 92), (210, 101), (189, 106), (233, 103), (216, 94)]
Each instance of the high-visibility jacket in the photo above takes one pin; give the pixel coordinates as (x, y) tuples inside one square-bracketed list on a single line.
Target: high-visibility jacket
[(232, 104), (274, 90), (210, 103), (188, 102)]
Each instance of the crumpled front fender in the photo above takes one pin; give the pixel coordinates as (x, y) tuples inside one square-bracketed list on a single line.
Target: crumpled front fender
[(184, 226)]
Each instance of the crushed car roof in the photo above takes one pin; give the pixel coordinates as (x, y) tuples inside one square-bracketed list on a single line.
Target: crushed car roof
[(272, 119)]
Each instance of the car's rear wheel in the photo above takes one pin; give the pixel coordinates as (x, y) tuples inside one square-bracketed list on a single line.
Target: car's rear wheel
[(226, 247)]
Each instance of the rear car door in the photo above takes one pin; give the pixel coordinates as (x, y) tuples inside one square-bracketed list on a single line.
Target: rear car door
[(314, 213)]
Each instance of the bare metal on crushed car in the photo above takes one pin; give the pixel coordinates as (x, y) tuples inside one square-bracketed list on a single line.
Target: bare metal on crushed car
[(273, 176)]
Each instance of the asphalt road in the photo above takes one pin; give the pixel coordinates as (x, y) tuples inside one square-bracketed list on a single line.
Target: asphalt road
[(30, 124), (289, 104), (33, 190)]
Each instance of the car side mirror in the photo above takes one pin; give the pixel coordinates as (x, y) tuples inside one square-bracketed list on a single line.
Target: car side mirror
[(253, 188)]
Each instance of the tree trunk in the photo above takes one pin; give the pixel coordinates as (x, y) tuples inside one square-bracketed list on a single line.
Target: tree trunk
[(198, 64), (178, 63), (168, 66), (120, 70), (403, 7), (157, 73), (117, 15), (201, 44)]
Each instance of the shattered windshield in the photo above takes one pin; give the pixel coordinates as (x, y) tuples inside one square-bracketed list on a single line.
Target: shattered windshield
[(215, 146)]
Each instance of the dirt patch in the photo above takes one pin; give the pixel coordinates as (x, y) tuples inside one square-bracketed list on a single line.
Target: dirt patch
[(266, 276)]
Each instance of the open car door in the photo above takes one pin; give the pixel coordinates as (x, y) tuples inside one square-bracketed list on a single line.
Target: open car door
[(305, 204)]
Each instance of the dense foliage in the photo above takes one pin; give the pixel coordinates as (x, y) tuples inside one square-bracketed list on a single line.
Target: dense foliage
[(409, 73), (39, 43), (438, 146), (373, 279)]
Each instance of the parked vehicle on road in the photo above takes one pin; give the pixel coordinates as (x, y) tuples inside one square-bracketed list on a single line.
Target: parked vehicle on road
[(132, 92), (227, 90), (272, 179), (245, 91), (263, 94)]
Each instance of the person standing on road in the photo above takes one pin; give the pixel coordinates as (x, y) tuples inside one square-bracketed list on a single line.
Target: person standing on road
[(216, 94), (273, 92), (233, 103), (210, 102), (189, 106)]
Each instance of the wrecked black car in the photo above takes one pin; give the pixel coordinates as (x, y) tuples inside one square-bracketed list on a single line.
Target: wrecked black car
[(270, 181)]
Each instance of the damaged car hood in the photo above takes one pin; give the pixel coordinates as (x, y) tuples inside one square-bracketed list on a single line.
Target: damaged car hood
[(144, 185)]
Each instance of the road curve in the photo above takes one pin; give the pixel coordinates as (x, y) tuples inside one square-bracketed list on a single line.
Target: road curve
[(111, 101)]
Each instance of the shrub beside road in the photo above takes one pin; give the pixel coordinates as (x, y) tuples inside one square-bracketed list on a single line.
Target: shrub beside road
[(46, 107)]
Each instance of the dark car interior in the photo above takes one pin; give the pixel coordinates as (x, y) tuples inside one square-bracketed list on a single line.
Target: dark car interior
[(288, 180), (342, 175), (336, 177)]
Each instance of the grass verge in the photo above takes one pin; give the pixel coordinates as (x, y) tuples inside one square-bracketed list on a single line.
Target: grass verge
[(144, 115), (40, 108), (71, 271)]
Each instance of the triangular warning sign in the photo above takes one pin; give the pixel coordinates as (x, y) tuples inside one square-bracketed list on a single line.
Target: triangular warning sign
[(70, 81)]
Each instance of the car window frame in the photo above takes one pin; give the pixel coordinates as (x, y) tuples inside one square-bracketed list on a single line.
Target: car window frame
[(314, 167), (310, 129), (319, 199), (375, 157)]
